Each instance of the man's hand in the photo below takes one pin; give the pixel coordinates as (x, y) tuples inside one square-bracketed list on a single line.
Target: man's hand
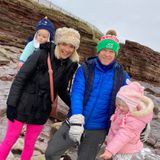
[(76, 127)]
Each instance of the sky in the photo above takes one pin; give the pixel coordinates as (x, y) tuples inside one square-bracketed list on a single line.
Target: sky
[(135, 20)]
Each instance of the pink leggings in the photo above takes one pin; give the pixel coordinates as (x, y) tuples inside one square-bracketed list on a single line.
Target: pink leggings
[(13, 131)]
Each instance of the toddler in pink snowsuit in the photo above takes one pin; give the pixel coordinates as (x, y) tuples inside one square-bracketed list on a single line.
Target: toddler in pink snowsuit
[(133, 112)]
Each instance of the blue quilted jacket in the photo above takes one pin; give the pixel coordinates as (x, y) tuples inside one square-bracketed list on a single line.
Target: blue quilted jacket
[(96, 110)]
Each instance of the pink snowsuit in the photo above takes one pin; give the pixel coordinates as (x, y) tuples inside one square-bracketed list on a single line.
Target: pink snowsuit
[(124, 134)]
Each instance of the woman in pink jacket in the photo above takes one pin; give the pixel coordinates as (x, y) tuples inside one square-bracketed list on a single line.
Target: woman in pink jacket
[(133, 112)]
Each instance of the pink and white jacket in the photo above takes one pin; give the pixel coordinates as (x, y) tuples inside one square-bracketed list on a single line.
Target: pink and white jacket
[(124, 134)]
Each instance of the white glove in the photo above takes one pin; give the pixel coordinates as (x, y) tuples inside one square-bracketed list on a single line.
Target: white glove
[(76, 127)]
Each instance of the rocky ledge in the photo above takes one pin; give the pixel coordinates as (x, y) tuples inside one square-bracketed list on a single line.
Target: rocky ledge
[(17, 22)]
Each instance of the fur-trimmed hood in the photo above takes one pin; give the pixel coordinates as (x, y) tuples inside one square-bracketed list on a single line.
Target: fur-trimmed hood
[(146, 107)]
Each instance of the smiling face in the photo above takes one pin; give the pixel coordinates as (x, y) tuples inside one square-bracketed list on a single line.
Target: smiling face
[(122, 105), (66, 50), (42, 36), (106, 56)]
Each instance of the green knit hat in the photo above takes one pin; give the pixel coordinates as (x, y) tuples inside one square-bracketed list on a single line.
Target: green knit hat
[(108, 42)]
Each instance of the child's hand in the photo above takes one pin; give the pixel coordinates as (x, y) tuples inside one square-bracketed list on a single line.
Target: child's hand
[(20, 64), (106, 155)]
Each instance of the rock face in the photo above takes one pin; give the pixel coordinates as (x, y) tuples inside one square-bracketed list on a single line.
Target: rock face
[(17, 21), (141, 62)]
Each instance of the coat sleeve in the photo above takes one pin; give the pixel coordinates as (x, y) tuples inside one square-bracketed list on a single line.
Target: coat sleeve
[(63, 91), (124, 135), (64, 95), (28, 50), (22, 78), (126, 77), (77, 94)]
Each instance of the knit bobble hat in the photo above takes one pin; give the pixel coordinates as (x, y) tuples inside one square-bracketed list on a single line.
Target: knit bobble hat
[(68, 36), (131, 94), (109, 41), (45, 23)]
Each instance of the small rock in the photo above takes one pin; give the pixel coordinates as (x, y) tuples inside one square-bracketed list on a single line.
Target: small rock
[(40, 157)]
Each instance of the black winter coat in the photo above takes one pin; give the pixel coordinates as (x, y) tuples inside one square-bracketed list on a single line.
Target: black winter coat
[(30, 91)]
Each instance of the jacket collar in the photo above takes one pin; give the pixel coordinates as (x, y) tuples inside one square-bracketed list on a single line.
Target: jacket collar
[(102, 67)]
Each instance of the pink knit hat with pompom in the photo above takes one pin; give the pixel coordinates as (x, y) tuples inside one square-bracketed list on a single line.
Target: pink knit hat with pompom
[(131, 94)]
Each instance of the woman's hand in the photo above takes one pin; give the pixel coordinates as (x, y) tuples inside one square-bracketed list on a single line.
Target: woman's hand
[(106, 155), (11, 113), (46, 46)]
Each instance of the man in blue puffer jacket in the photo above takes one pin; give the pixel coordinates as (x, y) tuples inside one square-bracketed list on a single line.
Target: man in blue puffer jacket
[(95, 86)]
